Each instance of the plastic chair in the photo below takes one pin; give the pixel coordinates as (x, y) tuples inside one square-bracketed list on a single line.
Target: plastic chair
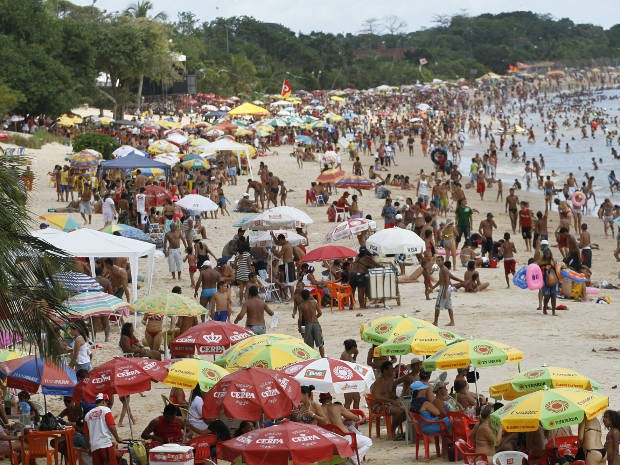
[(509, 457), (344, 294), (341, 214), (566, 445), (359, 413), (469, 454), (376, 417), (335, 429), (202, 447), (460, 426), (38, 447), (417, 421)]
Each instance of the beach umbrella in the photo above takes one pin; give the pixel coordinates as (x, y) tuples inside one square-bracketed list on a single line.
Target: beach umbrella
[(265, 239), (156, 195), (4, 136), (252, 341), (195, 163), (275, 355), (278, 217), (395, 241), (330, 374), (211, 337), (28, 373), (69, 120), (214, 132), (198, 142), (168, 124), (150, 130), (8, 340), (384, 328), (330, 176), (304, 140), (168, 304), (239, 223), (125, 150), (162, 146), (177, 138), (85, 159), (356, 182), (349, 228), (6, 354), (128, 231), (422, 341), (551, 408), (89, 304), (197, 203), (542, 377), (287, 443), (61, 221), (189, 372), (476, 352), (150, 172), (169, 159), (248, 109), (252, 393), (329, 252), (77, 282)]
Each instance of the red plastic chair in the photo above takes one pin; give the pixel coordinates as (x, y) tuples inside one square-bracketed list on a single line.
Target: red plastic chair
[(376, 417), (460, 426), (417, 421), (469, 454), (359, 413), (335, 429), (202, 447), (38, 447), (566, 445)]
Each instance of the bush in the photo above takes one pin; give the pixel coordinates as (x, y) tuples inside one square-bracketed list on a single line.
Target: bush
[(36, 140), (102, 143)]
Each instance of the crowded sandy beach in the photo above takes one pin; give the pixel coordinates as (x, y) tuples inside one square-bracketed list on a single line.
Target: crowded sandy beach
[(495, 211)]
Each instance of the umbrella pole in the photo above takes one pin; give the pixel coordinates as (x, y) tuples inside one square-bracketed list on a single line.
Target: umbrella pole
[(92, 325), (45, 403)]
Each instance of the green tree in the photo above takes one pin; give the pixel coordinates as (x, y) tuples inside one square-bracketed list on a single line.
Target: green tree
[(9, 99), (102, 143), (142, 10)]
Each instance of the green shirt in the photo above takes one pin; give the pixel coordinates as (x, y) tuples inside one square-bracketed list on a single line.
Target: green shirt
[(463, 215)]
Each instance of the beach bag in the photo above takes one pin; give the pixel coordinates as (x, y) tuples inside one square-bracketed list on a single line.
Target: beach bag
[(49, 422), (551, 279)]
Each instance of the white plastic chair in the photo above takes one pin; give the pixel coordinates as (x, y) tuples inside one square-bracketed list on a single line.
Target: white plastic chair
[(509, 458), (271, 291)]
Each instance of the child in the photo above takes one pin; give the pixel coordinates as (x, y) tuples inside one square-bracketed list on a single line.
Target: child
[(192, 261), (283, 192), (223, 304), (426, 274)]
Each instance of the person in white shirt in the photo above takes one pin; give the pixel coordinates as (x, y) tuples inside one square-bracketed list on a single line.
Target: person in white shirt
[(196, 423), (109, 210), (141, 206), (99, 430)]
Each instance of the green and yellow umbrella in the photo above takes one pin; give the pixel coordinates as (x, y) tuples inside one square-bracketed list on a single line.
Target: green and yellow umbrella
[(168, 304), (6, 354), (384, 328), (185, 374), (275, 355), (196, 163), (477, 352), (543, 377), (61, 221), (260, 339), (553, 408), (421, 341)]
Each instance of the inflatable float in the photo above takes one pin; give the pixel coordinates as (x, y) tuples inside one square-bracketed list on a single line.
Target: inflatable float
[(534, 277), (519, 279)]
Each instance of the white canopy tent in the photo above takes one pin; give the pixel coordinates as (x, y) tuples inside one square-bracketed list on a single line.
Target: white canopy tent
[(97, 244), (226, 144)]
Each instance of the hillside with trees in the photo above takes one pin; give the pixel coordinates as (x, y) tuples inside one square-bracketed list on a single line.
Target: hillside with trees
[(53, 51)]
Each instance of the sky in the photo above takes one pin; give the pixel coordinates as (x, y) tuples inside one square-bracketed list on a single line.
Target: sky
[(342, 16)]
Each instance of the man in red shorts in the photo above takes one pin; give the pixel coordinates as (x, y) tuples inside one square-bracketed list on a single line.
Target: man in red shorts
[(99, 429), (508, 253)]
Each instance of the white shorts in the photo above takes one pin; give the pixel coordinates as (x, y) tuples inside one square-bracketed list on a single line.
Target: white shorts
[(175, 260), (85, 208)]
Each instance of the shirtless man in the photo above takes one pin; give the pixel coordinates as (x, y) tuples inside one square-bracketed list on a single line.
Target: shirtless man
[(172, 250), (512, 202), (207, 279), (351, 399), (309, 314), (140, 180), (508, 253), (118, 279), (549, 192), (336, 415), (383, 392), (223, 304), (286, 254), (471, 279), (273, 183), (572, 258), (255, 308), (85, 207), (245, 205), (258, 192), (486, 231), (444, 300), (541, 231)]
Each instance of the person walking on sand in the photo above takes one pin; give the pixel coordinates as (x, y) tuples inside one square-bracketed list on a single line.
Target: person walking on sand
[(550, 278), (255, 308), (172, 250), (512, 202), (85, 206), (207, 279), (222, 309), (486, 231), (525, 225), (444, 297), (508, 253), (309, 314)]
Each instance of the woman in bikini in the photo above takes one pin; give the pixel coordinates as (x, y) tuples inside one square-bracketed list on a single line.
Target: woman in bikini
[(611, 420), (590, 440), (448, 243), (482, 435), (153, 331)]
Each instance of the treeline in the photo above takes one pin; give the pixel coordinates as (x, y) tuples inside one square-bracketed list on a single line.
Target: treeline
[(52, 51)]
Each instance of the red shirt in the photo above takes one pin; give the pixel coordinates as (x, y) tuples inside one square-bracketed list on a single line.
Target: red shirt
[(525, 218)]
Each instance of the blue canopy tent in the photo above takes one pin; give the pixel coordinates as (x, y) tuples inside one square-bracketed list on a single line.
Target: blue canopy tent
[(132, 162)]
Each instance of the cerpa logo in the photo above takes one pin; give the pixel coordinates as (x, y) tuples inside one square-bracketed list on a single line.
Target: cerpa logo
[(556, 406), (446, 335)]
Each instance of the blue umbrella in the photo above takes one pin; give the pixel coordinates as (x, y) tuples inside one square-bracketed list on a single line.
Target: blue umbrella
[(306, 140), (77, 282), (28, 373), (239, 223), (128, 231)]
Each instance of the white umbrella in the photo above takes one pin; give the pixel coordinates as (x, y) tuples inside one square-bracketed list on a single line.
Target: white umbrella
[(395, 241), (170, 159), (328, 374), (125, 150), (197, 203), (176, 138), (424, 107), (264, 238), (349, 228), (209, 107), (278, 217)]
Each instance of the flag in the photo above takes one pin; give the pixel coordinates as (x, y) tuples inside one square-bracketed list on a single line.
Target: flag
[(423, 61), (286, 89)]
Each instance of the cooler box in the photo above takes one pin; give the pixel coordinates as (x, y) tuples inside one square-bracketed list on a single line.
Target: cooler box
[(171, 454), (383, 283)]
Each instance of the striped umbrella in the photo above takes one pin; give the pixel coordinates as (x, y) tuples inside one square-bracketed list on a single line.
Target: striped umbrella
[(330, 176), (88, 304), (28, 373), (168, 304), (356, 182), (87, 158), (62, 221), (6, 354), (239, 223), (77, 282), (128, 231)]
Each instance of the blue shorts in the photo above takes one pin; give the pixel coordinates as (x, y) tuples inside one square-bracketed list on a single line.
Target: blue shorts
[(258, 329), (232, 171), (208, 293), (221, 316)]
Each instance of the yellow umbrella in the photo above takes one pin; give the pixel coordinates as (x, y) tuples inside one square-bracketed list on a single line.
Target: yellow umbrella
[(243, 132), (162, 146), (274, 355), (336, 98), (477, 352), (69, 120), (185, 374), (164, 123), (237, 349), (248, 109), (384, 328)]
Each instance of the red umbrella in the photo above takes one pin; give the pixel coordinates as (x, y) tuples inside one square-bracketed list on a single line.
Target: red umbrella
[(4, 135), (251, 392), (329, 252), (356, 182), (156, 195), (289, 440), (123, 376), (212, 337)]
